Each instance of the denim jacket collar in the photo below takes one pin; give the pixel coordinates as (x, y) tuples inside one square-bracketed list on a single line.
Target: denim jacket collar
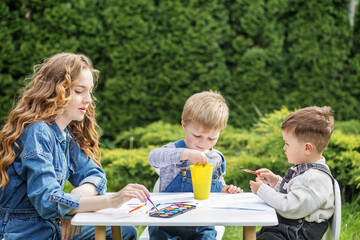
[(58, 133)]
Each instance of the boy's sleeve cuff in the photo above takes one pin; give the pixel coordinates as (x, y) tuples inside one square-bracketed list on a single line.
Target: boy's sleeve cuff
[(277, 186), (265, 191), (261, 189)]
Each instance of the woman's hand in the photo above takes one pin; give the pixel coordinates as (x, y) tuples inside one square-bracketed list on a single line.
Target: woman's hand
[(68, 230), (115, 200), (232, 189), (130, 191)]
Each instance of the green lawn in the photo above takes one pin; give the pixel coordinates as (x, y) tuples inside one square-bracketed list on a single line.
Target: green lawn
[(350, 224)]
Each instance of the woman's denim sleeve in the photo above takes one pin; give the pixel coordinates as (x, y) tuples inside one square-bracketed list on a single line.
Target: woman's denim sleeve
[(84, 170), (41, 169)]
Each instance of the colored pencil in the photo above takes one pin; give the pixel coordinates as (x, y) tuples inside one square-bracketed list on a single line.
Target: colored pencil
[(137, 208), (250, 171), (152, 204), (154, 208)]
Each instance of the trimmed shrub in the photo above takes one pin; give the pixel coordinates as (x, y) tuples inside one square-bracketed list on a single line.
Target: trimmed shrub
[(260, 147), (127, 166), (156, 133)]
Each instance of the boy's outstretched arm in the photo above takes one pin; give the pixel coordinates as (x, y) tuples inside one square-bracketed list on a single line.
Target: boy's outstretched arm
[(165, 156), (168, 155)]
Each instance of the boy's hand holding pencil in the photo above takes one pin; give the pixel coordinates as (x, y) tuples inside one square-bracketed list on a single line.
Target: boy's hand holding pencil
[(268, 177), (264, 176)]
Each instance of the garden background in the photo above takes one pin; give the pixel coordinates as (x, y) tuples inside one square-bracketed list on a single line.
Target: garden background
[(267, 58)]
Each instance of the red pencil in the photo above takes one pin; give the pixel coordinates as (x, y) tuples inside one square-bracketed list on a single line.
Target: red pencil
[(250, 171), (137, 208)]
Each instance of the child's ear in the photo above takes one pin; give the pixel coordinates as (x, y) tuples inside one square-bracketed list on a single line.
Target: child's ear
[(309, 147), (183, 125)]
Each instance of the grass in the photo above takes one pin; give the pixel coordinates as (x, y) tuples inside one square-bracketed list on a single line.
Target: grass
[(350, 221), (350, 224)]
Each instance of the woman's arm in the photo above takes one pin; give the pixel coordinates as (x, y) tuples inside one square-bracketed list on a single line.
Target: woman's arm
[(94, 203), (85, 190), (83, 170)]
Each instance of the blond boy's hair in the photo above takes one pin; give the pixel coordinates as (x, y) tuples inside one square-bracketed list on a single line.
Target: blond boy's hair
[(207, 108), (311, 124)]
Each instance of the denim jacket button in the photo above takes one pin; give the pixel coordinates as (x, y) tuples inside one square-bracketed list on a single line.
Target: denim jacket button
[(300, 221)]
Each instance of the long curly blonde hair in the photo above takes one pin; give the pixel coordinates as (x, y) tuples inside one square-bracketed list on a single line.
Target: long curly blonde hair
[(43, 99)]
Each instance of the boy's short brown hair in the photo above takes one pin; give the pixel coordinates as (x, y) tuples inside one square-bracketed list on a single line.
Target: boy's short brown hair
[(313, 124), (207, 108)]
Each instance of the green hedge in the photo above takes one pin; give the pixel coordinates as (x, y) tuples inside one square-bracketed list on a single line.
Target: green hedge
[(156, 133), (152, 55), (259, 147), (124, 166)]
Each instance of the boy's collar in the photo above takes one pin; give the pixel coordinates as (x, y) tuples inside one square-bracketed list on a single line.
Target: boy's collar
[(322, 160)]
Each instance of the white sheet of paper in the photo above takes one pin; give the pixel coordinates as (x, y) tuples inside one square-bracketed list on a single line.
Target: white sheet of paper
[(242, 202)]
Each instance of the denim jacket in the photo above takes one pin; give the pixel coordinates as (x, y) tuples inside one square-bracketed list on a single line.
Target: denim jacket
[(33, 201)]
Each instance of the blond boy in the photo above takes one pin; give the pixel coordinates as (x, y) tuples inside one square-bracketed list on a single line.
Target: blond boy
[(204, 117), (304, 198)]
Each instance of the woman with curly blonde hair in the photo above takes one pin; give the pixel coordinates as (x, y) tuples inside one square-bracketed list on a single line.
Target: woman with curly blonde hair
[(50, 138)]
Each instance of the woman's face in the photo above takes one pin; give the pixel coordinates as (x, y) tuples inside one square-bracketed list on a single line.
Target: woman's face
[(80, 100)]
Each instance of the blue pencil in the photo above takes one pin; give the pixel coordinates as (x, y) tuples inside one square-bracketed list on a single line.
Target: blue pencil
[(153, 204), (154, 208)]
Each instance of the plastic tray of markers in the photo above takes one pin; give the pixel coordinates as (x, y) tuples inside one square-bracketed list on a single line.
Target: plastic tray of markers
[(173, 210)]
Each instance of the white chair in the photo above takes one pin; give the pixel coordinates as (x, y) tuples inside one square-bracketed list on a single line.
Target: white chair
[(145, 234), (220, 233), (333, 232), (157, 186)]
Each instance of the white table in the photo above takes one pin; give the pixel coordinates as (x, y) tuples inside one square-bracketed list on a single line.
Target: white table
[(245, 209)]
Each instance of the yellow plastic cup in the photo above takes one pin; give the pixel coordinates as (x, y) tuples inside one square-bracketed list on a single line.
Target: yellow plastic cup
[(201, 176)]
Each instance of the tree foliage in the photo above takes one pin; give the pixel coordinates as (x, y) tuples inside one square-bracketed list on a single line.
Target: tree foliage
[(152, 55)]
